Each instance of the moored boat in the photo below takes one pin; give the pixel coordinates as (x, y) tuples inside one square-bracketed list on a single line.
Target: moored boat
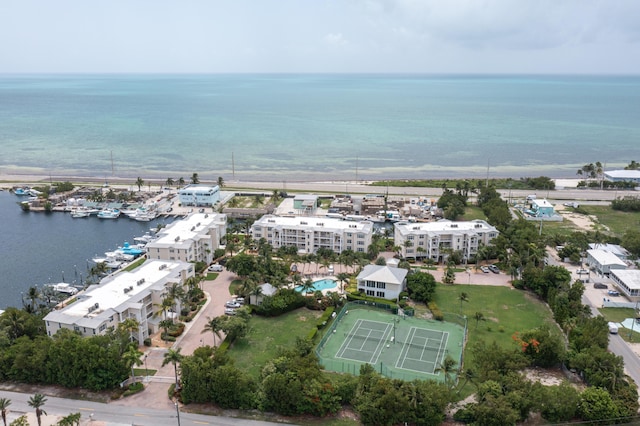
[(109, 213)]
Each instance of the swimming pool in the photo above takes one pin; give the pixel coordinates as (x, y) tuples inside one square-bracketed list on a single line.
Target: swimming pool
[(325, 284)]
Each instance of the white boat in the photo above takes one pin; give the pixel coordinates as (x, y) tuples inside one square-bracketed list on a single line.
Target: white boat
[(63, 288), (77, 213), (146, 238), (109, 213), (143, 214)]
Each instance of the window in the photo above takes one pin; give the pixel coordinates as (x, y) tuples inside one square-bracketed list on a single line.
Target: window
[(371, 293), (371, 284), (381, 285), (380, 294)]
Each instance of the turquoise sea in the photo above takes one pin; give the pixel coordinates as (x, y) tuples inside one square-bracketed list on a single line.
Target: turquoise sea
[(315, 127)]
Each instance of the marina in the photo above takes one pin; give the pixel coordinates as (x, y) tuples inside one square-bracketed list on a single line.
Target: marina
[(44, 249)]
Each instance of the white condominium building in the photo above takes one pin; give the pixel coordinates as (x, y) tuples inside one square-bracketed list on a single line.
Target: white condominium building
[(193, 239), (308, 234), (134, 294), (199, 195), (435, 240)]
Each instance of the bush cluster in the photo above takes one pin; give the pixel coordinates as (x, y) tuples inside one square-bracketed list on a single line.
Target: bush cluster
[(435, 310)]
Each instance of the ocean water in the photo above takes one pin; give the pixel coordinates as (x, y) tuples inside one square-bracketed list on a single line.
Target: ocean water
[(40, 248), (315, 127)]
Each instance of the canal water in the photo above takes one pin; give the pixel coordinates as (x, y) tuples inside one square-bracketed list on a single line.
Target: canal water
[(40, 248)]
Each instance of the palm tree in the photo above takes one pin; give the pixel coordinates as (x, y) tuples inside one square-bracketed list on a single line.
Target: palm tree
[(130, 325), (175, 292), (214, 325), (169, 182), (174, 357), (139, 183), (4, 404), (220, 181), (165, 324), (33, 295), (479, 316), (131, 357), (37, 401), (195, 179), (343, 277), (469, 376), (307, 286), (449, 274), (70, 420), (180, 182), (463, 297), (447, 366)]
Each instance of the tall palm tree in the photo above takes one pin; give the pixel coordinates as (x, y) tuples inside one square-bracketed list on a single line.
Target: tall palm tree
[(448, 367), (220, 181), (180, 182), (173, 356), (195, 179), (169, 182), (175, 291), (37, 401), (131, 357), (479, 316), (4, 405), (139, 183), (33, 295), (214, 325), (343, 277)]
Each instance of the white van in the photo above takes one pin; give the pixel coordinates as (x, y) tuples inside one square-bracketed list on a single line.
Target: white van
[(613, 328), (215, 268)]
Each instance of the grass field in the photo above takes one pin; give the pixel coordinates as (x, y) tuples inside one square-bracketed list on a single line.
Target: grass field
[(472, 213), (505, 311), (266, 335), (617, 221)]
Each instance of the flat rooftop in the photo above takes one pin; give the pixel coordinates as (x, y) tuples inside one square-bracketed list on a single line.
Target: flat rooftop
[(110, 293), (604, 257), (185, 229), (631, 277), (314, 222), (445, 225)]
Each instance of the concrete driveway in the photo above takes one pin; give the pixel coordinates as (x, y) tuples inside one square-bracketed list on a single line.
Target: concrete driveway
[(155, 394)]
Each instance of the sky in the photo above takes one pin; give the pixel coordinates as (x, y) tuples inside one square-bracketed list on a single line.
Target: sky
[(320, 36)]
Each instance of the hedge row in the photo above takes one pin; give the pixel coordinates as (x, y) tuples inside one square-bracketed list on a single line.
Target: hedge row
[(322, 321)]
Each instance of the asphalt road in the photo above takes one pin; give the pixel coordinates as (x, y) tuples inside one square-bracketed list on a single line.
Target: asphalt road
[(107, 414), (572, 194)]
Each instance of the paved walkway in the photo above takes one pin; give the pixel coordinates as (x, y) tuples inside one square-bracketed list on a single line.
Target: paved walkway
[(155, 395)]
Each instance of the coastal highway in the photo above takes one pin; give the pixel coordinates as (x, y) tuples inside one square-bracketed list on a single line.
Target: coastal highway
[(338, 187), (96, 413)]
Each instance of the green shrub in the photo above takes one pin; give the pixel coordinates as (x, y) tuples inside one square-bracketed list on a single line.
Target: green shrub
[(168, 338), (134, 388), (312, 333), (147, 341), (322, 321)]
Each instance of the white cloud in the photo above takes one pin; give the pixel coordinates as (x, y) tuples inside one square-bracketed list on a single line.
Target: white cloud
[(335, 39)]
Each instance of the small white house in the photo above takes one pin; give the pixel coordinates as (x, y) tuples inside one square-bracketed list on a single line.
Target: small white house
[(266, 289), (386, 282)]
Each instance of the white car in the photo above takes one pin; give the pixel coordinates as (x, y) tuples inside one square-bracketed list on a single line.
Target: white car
[(215, 268), (232, 304), (484, 269), (229, 311)]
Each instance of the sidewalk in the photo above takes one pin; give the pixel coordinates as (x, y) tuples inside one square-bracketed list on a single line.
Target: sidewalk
[(155, 394)]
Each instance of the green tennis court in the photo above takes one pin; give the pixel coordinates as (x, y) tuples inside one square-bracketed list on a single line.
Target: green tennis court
[(399, 347)]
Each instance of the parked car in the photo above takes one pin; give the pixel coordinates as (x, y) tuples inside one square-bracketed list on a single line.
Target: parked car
[(600, 285), (215, 268), (229, 311), (240, 300), (484, 269), (582, 271), (494, 269), (613, 293), (232, 304)]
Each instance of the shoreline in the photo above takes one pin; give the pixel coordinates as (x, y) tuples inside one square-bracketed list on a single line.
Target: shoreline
[(15, 179)]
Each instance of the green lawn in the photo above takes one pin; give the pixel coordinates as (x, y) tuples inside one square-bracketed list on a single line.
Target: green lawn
[(144, 372), (566, 228), (472, 213), (617, 314), (617, 221), (505, 312), (267, 334)]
